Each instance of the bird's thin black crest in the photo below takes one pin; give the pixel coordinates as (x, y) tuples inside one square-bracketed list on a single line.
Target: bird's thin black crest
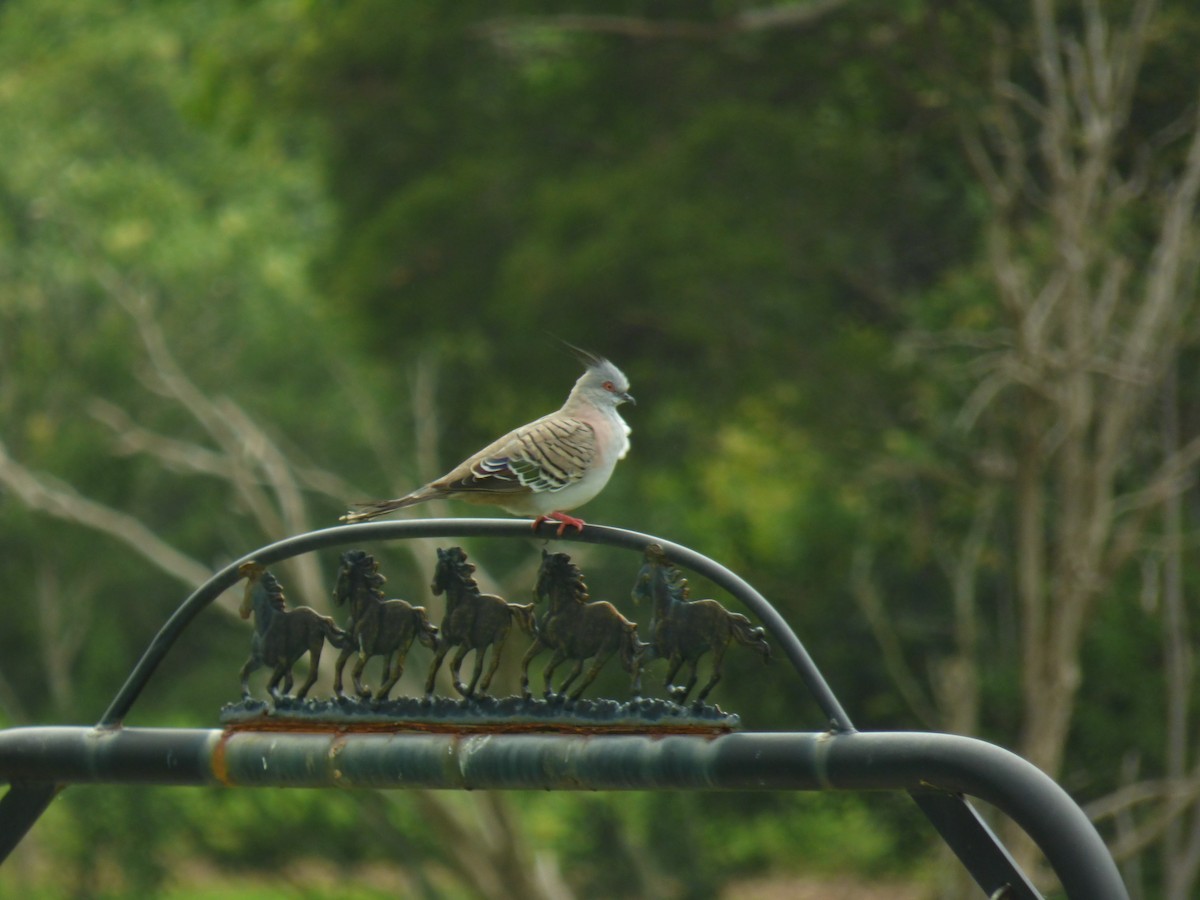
[(586, 357)]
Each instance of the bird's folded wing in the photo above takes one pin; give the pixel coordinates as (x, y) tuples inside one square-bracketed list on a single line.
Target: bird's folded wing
[(546, 455)]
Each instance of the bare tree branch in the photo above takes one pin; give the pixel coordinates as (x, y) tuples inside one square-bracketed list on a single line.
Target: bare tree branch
[(1173, 798), (185, 456), (253, 461), (174, 454), (1167, 297), (47, 495)]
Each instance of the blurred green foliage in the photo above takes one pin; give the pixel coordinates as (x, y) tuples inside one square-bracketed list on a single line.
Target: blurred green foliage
[(340, 216)]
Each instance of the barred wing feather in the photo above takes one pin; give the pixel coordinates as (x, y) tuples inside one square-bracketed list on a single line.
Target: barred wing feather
[(544, 456)]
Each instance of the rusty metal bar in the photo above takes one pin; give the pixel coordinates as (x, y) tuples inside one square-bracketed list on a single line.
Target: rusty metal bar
[(935, 766)]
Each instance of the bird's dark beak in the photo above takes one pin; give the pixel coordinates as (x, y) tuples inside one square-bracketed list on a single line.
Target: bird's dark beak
[(627, 397)]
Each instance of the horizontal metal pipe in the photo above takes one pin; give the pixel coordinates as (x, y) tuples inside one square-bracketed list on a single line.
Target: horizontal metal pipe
[(741, 761), (67, 754)]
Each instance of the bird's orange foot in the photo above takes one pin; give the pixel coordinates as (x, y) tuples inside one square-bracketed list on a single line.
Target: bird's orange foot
[(564, 522)]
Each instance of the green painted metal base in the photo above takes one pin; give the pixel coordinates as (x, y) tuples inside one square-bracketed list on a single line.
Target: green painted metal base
[(508, 714)]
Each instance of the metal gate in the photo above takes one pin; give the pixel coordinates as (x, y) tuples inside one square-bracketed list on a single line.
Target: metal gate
[(938, 771)]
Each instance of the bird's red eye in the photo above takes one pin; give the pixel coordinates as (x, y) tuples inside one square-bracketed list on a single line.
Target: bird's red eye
[(609, 386)]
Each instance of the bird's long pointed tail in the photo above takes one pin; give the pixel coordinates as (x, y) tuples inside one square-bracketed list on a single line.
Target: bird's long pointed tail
[(367, 511)]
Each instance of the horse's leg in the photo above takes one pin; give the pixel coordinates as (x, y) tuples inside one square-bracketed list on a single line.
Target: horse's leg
[(456, 668), (575, 670), (361, 689), (636, 663), (497, 649), (252, 664), (691, 683), (442, 650), (718, 656), (393, 668), (672, 668), (281, 671), (598, 662), (534, 650), (338, 666), (548, 672), (314, 661), (644, 654), (477, 669), (385, 675)]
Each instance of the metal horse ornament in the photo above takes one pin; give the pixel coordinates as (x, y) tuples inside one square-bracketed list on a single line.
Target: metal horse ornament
[(282, 635), (682, 630), (579, 629), (377, 627), (473, 621)]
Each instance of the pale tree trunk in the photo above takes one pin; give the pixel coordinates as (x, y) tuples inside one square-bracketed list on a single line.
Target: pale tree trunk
[(1091, 332)]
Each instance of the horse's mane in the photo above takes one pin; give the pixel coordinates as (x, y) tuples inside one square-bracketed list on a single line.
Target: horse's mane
[(569, 574), (360, 562), (676, 582), (457, 565), (363, 570), (273, 590)]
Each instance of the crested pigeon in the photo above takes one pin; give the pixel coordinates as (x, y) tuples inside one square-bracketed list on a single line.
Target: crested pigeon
[(544, 468)]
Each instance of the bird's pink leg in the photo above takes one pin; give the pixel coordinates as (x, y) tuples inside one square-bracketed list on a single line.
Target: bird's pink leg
[(564, 522)]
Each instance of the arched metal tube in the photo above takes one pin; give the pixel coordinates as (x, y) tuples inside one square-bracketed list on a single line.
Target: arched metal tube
[(366, 532)]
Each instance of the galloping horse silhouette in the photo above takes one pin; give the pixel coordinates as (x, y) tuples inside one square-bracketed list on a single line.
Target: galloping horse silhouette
[(578, 629), (682, 630), (473, 621), (282, 635), (377, 627)]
